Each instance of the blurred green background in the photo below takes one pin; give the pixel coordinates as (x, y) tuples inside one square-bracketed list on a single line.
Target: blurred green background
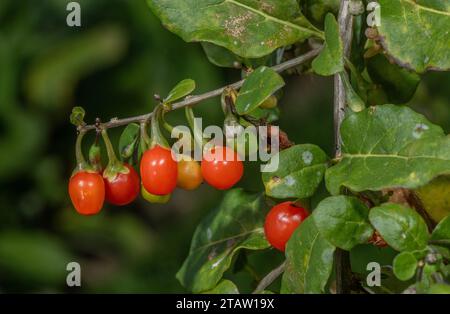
[(112, 66)]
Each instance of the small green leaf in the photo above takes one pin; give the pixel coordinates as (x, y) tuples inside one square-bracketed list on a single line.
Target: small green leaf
[(331, 59), (236, 224), (128, 141), (388, 146), (223, 287), (268, 115), (405, 265), (221, 56), (258, 86), (317, 9), (182, 89), (343, 221), (300, 171), (401, 227), (309, 260), (77, 116), (354, 102)]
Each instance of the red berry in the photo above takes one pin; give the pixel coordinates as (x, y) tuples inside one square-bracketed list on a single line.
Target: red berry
[(124, 188), (159, 171), (221, 167), (281, 222), (87, 192)]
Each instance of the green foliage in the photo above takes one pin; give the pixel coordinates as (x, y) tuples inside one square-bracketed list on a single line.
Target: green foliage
[(220, 56), (129, 139), (343, 221), (442, 230), (300, 171), (309, 260), (398, 83), (77, 116), (401, 227), (331, 59), (354, 102), (258, 86), (387, 147), (405, 265), (402, 35), (182, 89), (224, 287), (33, 259), (248, 29), (235, 225)]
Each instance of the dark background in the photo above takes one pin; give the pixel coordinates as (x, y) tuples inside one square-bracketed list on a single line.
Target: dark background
[(112, 66)]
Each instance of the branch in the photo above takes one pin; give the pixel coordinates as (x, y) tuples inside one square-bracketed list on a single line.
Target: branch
[(191, 100), (269, 278), (345, 20)]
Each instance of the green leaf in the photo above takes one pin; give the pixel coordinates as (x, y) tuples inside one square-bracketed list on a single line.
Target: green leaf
[(182, 89), (354, 102), (435, 197), (401, 227), (441, 235), (236, 224), (224, 287), (439, 288), (268, 115), (77, 116), (309, 260), (388, 147), (405, 265), (128, 141), (442, 230), (343, 221), (415, 33), (399, 84), (300, 171), (250, 29), (331, 59), (258, 86), (220, 56)]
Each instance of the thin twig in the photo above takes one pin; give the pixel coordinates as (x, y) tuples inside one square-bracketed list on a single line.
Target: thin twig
[(269, 278), (345, 20), (191, 100)]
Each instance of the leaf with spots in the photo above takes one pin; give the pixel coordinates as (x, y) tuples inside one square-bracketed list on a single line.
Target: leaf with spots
[(343, 221), (258, 86), (309, 260), (300, 171), (416, 34), (235, 225), (248, 28), (388, 147), (401, 227)]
